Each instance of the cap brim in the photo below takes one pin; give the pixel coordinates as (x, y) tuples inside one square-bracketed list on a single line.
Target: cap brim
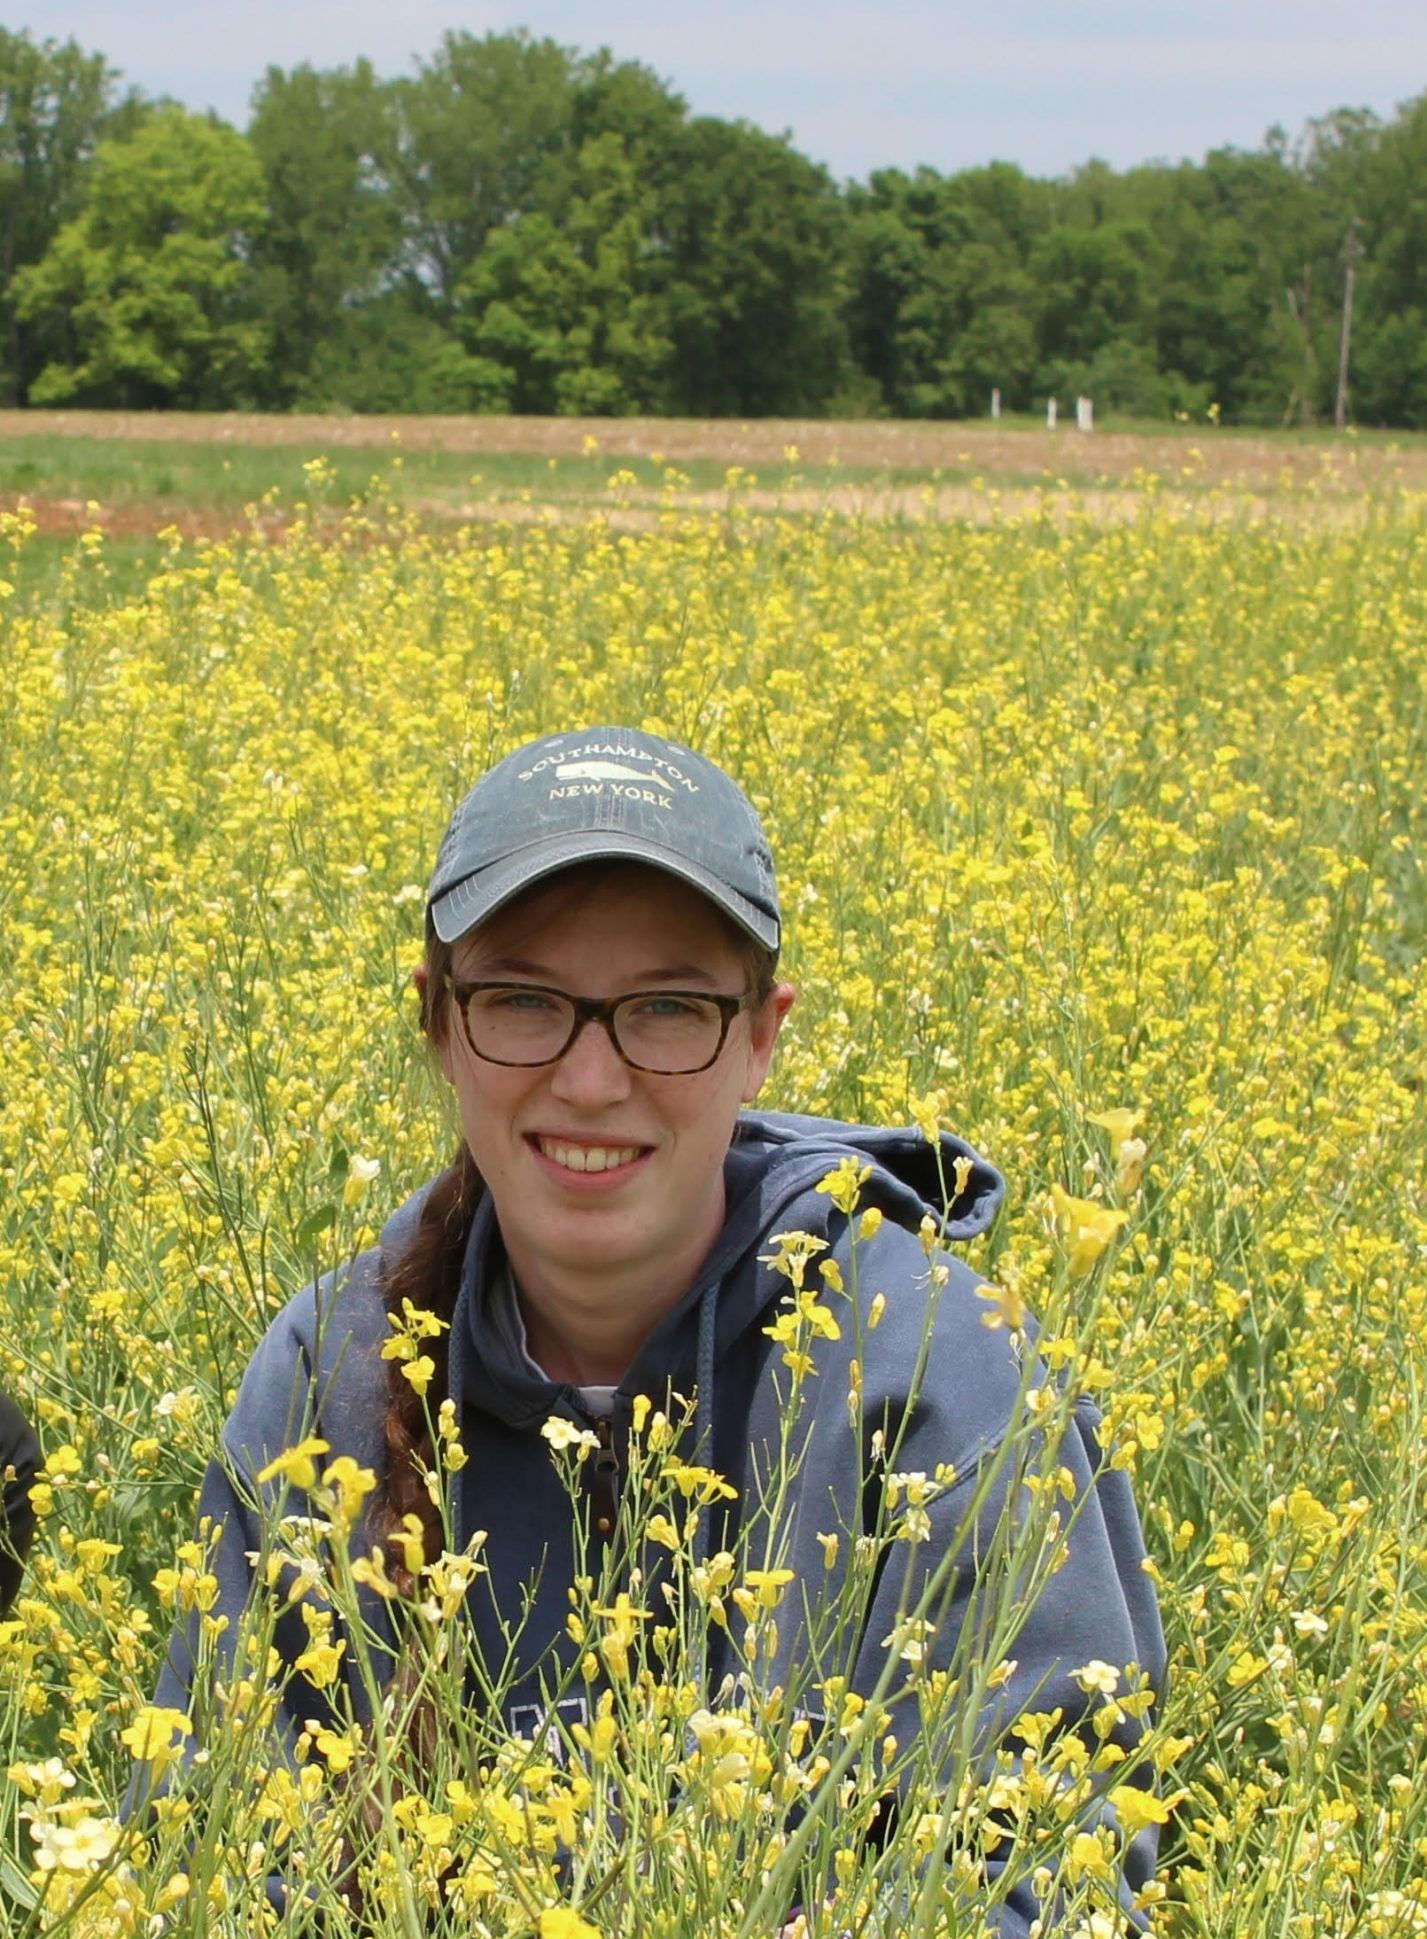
[(458, 909)]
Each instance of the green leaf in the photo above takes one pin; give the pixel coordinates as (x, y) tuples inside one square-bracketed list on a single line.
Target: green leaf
[(315, 1224)]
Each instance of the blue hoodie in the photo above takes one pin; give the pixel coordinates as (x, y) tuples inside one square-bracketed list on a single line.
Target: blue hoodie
[(931, 1371)]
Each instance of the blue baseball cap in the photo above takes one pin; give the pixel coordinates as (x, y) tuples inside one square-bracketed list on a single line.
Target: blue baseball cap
[(603, 794)]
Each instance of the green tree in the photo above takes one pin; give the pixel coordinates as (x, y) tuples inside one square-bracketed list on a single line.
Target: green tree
[(754, 237), (395, 353), (481, 127), (332, 237), (570, 312), (1094, 286), (887, 265), (1009, 205), (942, 309), (1228, 320), (1388, 377), (627, 99), (56, 103), (152, 282)]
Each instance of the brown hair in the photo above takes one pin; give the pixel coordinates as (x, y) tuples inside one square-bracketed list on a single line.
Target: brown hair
[(428, 1272)]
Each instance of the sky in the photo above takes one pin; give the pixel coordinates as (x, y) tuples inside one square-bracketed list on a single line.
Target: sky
[(858, 84)]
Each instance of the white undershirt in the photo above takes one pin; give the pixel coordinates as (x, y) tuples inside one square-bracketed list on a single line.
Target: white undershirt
[(597, 1401)]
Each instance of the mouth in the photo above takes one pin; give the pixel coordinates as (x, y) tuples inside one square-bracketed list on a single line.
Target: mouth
[(586, 1157)]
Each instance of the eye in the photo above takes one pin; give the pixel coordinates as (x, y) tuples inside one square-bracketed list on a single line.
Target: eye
[(661, 1006), (517, 1002)]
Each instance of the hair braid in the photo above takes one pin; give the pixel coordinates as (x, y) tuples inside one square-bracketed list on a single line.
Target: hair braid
[(428, 1273)]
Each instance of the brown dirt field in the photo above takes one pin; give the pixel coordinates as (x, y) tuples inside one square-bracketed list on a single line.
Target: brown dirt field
[(1108, 458), (140, 521), (642, 512)]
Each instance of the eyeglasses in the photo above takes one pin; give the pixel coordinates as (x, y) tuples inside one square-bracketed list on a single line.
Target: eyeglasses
[(669, 1032)]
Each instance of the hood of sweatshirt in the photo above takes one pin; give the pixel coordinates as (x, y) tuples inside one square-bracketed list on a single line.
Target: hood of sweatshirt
[(774, 1164)]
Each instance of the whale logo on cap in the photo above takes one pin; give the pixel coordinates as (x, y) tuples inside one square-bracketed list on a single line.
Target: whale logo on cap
[(598, 771)]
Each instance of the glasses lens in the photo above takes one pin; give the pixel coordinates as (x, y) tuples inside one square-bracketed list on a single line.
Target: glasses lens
[(518, 1026), (661, 1032)]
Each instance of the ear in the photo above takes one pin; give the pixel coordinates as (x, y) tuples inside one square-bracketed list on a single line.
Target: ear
[(764, 1023)]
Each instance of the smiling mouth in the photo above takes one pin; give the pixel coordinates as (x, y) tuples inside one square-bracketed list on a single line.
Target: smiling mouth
[(587, 1157)]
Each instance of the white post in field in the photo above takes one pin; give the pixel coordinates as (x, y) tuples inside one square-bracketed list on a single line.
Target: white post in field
[(996, 402), (1084, 414), (1052, 412)]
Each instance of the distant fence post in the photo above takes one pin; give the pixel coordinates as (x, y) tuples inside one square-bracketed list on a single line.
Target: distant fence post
[(996, 402), (1084, 414), (1052, 412)]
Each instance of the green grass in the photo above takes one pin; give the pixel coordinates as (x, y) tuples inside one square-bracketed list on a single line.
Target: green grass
[(53, 574), (117, 472), (124, 471)]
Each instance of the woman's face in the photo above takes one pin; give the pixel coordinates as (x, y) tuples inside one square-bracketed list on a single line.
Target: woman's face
[(657, 1201)]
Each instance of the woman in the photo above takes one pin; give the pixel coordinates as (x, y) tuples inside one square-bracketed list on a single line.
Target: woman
[(601, 993)]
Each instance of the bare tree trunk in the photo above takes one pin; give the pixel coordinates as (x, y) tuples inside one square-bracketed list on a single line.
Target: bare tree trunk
[(1300, 307), (1352, 249)]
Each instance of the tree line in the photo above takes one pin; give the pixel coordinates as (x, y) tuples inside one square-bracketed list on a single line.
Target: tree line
[(519, 226)]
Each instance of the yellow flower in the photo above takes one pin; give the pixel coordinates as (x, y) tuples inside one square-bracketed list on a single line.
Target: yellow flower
[(338, 1749), (411, 1540), (1181, 889), (349, 1486), (767, 1585), (360, 1173), (621, 1622), (420, 1323), (47, 1779), (564, 1435), (298, 1465), (1098, 1676), (844, 1184), (792, 1253), (155, 1736), (420, 1371), (1119, 1124), (80, 1846), (1136, 1808), (1007, 1308), (1245, 1668), (1130, 1169), (321, 1661), (698, 1484), (1085, 1227), (561, 1921), (1087, 1857)]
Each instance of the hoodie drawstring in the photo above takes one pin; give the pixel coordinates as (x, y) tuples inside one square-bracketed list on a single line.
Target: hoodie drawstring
[(703, 1403)]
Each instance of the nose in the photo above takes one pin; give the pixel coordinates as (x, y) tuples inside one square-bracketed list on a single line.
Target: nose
[(592, 1072)]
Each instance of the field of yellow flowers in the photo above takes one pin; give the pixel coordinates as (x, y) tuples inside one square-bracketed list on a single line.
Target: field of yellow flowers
[(1100, 843)]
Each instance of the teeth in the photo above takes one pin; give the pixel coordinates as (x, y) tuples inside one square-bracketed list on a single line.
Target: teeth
[(589, 1157)]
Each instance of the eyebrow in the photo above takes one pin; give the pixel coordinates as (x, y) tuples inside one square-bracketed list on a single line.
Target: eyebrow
[(667, 975)]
